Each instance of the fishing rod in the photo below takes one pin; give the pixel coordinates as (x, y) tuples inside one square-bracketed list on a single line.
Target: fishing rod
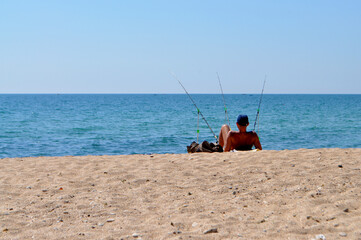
[(259, 105), (224, 102), (194, 103)]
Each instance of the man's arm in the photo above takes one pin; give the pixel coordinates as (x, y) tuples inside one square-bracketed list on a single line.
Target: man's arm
[(257, 143)]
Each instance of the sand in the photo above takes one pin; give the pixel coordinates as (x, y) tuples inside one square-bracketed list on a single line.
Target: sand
[(290, 194)]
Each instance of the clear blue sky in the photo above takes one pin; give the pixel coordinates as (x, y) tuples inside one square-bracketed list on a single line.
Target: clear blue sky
[(131, 46)]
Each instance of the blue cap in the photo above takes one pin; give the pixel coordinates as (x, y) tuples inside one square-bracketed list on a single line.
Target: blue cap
[(242, 120)]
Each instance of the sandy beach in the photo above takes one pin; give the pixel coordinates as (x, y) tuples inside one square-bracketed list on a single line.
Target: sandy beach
[(289, 194)]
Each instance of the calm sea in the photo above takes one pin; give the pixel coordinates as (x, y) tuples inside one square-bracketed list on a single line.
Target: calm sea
[(97, 124)]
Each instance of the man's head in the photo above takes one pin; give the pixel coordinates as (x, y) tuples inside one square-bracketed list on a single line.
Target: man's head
[(242, 120)]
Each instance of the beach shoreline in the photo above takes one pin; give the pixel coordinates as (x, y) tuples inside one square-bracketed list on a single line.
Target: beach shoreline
[(296, 194)]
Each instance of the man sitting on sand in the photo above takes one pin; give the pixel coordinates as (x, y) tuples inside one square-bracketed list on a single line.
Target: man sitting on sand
[(238, 140)]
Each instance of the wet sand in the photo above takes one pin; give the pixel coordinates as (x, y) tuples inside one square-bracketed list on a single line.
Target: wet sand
[(290, 194)]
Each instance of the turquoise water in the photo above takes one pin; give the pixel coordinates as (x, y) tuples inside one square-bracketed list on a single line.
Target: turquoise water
[(96, 124)]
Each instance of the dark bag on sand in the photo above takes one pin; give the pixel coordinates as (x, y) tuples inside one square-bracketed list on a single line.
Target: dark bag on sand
[(204, 147)]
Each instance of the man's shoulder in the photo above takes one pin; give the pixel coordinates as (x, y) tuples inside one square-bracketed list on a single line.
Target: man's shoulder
[(253, 134), (233, 133)]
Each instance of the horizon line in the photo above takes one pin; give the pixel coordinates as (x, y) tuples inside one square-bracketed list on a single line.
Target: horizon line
[(75, 93)]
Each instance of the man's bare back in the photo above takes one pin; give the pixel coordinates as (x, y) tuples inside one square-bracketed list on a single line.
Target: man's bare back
[(238, 140), (242, 141)]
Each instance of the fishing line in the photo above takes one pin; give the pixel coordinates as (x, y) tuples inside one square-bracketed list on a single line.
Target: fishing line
[(199, 112), (224, 102), (259, 105), (198, 126)]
